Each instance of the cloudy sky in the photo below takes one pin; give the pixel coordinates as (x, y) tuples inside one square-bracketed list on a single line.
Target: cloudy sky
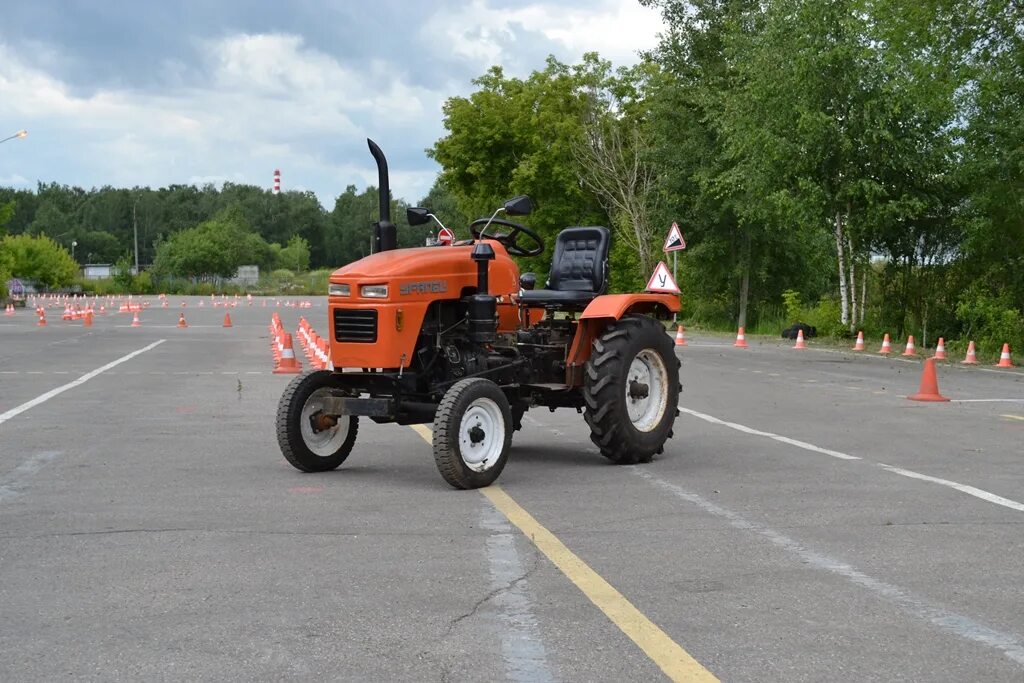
[(126, 93)]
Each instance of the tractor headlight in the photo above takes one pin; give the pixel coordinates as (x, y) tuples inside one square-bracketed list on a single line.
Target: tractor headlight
[(374, 291), (338, 290)]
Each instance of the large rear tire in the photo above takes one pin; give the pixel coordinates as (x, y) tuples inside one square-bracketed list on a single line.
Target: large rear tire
[(310, 441), (472, 433), (631, 388)]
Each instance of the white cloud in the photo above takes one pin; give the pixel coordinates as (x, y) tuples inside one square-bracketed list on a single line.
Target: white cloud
[(617, 29), (246, 103)]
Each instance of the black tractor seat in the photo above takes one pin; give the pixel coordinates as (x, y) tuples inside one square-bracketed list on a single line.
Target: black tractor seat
[(579, 270)]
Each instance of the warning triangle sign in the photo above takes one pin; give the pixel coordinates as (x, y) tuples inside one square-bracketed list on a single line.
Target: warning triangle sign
[(662, 280), (674, 241), (445, 236)]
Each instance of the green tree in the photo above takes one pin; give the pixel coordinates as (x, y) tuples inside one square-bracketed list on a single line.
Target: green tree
[(123, 278), (294, 256), (516, 136), (6, 214), (38, 258)]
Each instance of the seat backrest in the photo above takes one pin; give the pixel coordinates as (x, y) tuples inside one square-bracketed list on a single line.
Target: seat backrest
[(580, 261)]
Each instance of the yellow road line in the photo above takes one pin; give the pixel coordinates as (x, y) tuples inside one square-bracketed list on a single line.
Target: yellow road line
[(670, 657), (1013, 417)]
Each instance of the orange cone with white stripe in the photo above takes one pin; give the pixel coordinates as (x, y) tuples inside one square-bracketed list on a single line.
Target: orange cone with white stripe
[(910, 350), (1004, 358), (9, 310), (680, 337), (87, 320), (135, 320), (972, 356), (741, 339), (800, 343), (940, 350), (181, 320), (288, 365), (929, 390), (859, 346), (886, 346), (42, 318), (227, 320)]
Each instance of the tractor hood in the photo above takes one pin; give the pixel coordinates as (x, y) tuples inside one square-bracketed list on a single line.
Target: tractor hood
[(416, 263)]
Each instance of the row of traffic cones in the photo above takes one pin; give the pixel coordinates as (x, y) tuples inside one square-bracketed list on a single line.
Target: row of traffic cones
[(316, 347), (281, 347), (1005, 359)]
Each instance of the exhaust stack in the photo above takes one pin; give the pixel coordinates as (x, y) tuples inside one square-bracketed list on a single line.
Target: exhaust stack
[(385, 235)]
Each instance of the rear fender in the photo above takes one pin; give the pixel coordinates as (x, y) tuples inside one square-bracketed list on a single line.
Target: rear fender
[(603, 311)]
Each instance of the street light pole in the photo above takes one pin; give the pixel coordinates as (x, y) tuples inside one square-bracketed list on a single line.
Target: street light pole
[(135, 228), (73, 245), (17, 136)]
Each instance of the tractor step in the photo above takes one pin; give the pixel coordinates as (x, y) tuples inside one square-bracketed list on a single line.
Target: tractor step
[(370, 407)]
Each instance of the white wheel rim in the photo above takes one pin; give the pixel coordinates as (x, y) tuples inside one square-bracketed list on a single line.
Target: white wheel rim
[(646, 390), (481, 435), (325, 442)]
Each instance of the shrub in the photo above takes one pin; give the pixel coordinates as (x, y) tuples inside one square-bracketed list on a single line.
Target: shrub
[(990, 320)]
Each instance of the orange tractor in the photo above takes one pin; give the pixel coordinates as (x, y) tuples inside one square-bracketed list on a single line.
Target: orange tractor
[(456, 337)]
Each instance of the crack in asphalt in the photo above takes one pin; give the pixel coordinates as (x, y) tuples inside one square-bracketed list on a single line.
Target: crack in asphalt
[(493, 594)]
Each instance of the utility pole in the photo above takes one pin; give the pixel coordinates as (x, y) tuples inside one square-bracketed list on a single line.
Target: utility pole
[(135, 228)]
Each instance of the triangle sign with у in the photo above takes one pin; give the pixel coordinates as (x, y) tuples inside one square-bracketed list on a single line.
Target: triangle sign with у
[(662, 280), (674, 241)]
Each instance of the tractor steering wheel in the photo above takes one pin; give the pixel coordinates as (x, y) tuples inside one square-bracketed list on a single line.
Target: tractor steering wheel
[(509, 240)]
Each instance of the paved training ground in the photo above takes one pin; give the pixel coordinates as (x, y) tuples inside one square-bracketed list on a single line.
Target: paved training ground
[(807, 523)]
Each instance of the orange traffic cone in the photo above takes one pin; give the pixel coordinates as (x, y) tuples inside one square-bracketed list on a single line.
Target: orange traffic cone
[(1004, 358), (929, 390), (886, 346), (859, 346), (42, 318), (741, 339), (972, 357), (88, 318), (9, 309), (288, 364), (940, 350), (680, 337), (910, 350), (135, 320), (800, 343), (181, 320), (227, 320)]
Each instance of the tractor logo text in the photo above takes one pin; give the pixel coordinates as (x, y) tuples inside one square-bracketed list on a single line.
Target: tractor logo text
[(427, 287)]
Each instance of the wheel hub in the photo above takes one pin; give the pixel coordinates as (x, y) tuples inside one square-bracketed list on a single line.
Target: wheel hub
[(638, 390), (476, 435)]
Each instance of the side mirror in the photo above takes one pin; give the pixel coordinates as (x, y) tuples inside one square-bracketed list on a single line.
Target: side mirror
[(417, 215), (519, 206)]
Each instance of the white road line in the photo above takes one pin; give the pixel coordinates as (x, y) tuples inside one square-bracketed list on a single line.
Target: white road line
[(42, 398), (776, 437), (969, 490), (934, 613), (987, 400), (963, 488)]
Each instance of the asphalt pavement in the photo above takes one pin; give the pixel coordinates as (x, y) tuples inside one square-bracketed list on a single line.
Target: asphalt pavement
[(806, 523)]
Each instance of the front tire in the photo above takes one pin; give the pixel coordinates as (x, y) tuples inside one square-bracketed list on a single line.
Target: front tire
[(631, 388), (472, 433), (307, 439)]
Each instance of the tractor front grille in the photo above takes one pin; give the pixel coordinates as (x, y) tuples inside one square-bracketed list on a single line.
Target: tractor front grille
[(355, 325)]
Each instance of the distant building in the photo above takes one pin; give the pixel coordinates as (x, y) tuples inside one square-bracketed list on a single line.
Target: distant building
[(97, 271), (246, 275)]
